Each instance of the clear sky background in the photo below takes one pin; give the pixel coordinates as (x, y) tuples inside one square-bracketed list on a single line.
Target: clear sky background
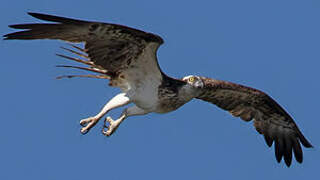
[(270, 45)]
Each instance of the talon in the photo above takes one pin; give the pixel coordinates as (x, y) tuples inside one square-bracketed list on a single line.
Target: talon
[(87, 124), (104, 132), (86, 121), (83, 123), (83, 131), (109, 119), (113, 125)]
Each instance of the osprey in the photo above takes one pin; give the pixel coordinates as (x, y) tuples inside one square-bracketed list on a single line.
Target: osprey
[(127, 57)]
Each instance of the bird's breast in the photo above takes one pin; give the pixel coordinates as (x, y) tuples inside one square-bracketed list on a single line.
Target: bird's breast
[(170, 99), (156, 98), (144, 94)]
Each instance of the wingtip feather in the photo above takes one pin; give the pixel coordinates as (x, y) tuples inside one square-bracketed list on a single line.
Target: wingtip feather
[(52, 18), (5, 37), (31, 13), (268, 140), (304, 140), (12, 26), (37, 15)]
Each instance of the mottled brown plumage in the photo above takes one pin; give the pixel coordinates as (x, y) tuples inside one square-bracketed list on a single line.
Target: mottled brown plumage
[(270, 119), (127, 57), (110, 46)]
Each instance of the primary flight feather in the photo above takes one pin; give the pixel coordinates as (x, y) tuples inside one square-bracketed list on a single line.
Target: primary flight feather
[(127, 57)]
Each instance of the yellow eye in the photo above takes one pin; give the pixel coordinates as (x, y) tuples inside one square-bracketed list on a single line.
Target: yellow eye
[(191, 79)]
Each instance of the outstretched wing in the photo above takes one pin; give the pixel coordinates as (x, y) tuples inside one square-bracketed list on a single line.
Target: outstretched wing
[(270, 119), (110, 48)]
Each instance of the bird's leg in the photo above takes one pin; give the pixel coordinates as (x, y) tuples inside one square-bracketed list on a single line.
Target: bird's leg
[(114, 124), (117, 101)]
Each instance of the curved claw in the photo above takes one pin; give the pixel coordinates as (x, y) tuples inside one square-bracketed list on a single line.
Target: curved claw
[(83, 132), (87, 124), (104, 131), (113, 125), (83, 124)]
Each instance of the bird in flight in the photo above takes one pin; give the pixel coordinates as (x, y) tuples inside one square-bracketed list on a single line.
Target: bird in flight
[(127, 57)]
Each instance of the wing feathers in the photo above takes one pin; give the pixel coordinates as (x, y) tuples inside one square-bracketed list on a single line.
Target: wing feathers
[(66, 29), (85, 68), (87, 76), (303, 140), (66, 32), (31, 26), (67, 25), (270, 119), (76, 59), (288, 151), (52, 18), (77, 53), (114, 48), (297, 150), (278, 149), (268, 139)]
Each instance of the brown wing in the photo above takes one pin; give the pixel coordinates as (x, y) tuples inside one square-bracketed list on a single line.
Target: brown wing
[(110, 46), (270, 119)]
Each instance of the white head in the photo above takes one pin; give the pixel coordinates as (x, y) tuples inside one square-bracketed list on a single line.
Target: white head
[(193, 88), (194, 81)]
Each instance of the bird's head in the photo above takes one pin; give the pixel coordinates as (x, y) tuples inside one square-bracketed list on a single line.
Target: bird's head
[(194, 81)]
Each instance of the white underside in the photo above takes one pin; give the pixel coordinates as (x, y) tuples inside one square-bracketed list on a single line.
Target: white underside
[(139, 85), (142, 81)]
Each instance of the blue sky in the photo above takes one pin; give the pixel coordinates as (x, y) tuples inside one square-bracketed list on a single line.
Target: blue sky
[(270, 45)]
